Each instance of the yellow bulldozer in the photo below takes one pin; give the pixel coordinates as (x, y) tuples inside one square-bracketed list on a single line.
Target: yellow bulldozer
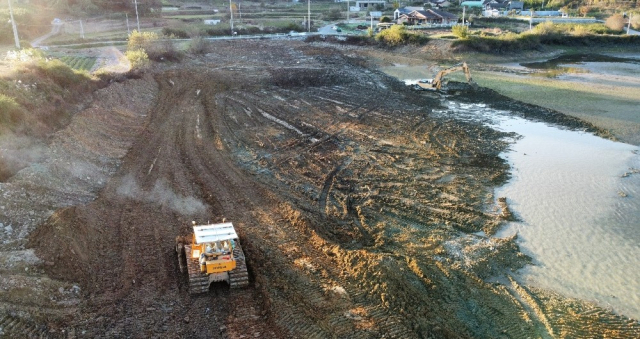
[(436, 82), (212, 253)]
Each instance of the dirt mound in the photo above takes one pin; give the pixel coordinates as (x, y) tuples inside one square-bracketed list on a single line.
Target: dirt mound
[(63, 243)]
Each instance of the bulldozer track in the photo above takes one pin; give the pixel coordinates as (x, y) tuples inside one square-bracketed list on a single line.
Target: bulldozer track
[(17, 327), (199, 282), (239, 276)]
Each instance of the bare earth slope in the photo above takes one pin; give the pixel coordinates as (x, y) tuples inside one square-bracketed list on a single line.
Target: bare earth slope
[(357, 210)]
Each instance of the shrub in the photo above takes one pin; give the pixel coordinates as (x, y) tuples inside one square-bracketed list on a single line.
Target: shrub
[(163, 51), (546, 28), (580, 30), (198, 45), (385, 19), (598, 28), (10, 111), (461, 31), (635, 21), (141, 40), (615, 22), (138, 58), (153, 48), (218, 31), (398, 35), (175, 33)]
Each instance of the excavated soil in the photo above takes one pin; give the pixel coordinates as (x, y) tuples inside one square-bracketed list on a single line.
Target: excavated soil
[(359, 210)]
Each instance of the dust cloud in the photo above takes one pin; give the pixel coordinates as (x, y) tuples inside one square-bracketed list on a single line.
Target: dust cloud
[(161, 194)]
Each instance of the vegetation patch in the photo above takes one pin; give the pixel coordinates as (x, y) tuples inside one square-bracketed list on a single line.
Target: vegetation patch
[(148, 46), (10, 111), (79, 62), (544, 34), (397, 35)]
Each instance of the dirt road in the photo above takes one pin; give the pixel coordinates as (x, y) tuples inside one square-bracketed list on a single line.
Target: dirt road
[(358, 209)]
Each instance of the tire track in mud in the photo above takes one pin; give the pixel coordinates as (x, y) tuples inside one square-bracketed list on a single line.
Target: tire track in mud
[(328, 183)]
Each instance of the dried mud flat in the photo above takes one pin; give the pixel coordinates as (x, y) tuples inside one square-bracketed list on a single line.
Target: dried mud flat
[(358, 209)]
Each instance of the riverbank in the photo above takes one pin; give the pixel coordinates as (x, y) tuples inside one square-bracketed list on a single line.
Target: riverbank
[(604, 94)]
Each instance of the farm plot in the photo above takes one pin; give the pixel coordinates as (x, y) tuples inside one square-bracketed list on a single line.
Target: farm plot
[(81, 63)]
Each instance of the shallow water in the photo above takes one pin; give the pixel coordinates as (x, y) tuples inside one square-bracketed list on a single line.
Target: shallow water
[(580, 206), (579, 59)]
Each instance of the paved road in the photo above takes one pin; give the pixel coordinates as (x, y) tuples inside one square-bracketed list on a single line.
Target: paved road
[(327, 30), (55, 29)]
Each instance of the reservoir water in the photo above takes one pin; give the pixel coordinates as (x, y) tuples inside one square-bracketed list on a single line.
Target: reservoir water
[(578, 196)]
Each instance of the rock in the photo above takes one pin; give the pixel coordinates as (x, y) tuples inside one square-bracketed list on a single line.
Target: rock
[(8, 228), (186, 319), (223, 328)]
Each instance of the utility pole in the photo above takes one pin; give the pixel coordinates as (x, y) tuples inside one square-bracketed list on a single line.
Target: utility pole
[(81, 30), (137, 18), (231, 11), (309, 15), (629, 24), (127, 16), (463, 14), (15, 29), (371, 15), (347, 11)]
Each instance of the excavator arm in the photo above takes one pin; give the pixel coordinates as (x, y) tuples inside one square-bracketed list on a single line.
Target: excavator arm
[(437, 81)]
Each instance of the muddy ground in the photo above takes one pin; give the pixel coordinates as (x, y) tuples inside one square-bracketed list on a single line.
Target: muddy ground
[(361, 212)]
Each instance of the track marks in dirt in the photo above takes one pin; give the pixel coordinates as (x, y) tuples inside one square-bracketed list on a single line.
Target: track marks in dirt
[(328, 183), (346, 236)]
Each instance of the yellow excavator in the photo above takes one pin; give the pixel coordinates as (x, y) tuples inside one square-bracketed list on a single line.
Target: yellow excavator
[(212, 254), (436, 82)]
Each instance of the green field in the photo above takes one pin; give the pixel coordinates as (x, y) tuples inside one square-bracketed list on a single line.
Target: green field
[(79, 62)]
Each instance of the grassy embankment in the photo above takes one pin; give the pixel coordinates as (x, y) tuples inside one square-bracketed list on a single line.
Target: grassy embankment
[(607, 98), (606, 105), (37, 94)]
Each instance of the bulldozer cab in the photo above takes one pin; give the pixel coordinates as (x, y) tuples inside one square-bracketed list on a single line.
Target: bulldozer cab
[(213, 247)]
